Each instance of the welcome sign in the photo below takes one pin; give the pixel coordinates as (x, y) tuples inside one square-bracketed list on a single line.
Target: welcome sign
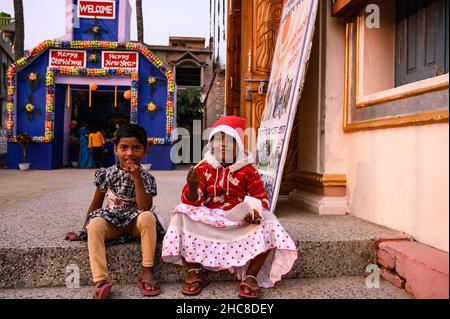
[(286, 82), (96, 9)]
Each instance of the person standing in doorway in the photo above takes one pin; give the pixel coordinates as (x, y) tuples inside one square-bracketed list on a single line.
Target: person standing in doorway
[(85, 159), (96, 144)]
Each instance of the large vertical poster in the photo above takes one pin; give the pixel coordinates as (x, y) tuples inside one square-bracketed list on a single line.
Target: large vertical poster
[(286, 82)]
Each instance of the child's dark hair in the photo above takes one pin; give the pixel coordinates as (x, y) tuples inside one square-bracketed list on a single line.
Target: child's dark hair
[(131, 130)]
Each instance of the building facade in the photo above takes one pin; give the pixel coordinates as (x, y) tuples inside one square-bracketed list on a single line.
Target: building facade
[(190, 61), (192, 64), (371, 134)]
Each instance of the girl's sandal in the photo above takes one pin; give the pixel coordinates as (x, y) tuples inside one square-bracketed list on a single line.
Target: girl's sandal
[(102, 290), (202, 283), (254, 294)]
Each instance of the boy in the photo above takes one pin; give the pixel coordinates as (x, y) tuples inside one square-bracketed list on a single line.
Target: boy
[(129, 191)]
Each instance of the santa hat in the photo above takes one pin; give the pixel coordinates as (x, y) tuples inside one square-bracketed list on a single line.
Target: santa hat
[(231, 125)]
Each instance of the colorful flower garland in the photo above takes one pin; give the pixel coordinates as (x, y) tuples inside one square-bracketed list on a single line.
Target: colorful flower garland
[(52, 72)]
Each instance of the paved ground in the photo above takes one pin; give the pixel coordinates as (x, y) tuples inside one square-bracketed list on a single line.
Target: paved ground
[(40, 206), (17, 187), (324, 288)]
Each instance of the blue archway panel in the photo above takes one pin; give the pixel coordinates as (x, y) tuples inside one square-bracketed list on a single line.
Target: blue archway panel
[(154, 124), (23, 92)]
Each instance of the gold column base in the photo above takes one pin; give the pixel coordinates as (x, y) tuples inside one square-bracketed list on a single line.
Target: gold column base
[(331, 185)]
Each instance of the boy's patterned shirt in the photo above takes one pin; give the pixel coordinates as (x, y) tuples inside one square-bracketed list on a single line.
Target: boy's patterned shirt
[(121, 208)]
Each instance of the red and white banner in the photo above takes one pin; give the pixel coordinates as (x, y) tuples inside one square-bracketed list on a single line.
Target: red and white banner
[(96, 9), (67, 58), (120, 60)]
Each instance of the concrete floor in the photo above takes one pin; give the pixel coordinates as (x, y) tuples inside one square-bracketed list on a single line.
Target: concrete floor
[(313, 288)]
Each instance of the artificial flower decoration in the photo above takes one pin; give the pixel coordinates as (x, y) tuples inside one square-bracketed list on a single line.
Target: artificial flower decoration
[(50, 78), (151, 107), (96, 30), (10, 90), (30, 109), (93, 58), (152, 84), (9, 107), (32, 77)]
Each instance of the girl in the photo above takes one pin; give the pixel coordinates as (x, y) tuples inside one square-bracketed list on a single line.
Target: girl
[(215, 229), (129, 191)]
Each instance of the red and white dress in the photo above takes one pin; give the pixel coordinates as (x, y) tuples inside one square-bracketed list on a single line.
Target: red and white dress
[(199, 231)]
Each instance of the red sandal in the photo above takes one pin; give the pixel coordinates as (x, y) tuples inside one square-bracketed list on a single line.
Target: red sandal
[(202, 283), (102, 290), (154, 291), (254, 292)]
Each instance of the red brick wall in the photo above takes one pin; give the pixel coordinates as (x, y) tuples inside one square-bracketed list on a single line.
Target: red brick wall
[(215, 101)]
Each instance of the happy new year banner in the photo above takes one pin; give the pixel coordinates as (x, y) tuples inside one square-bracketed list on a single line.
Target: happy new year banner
[(120, 60)]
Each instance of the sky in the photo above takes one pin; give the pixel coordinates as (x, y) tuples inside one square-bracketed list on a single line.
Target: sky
[(45, 19)]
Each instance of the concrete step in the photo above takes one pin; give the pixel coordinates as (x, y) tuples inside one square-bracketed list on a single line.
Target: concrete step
[(311, 288), (420, 269), (329, 246), (34, 254)]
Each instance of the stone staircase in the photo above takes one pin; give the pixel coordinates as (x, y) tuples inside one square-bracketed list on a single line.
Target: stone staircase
[(34, 256)]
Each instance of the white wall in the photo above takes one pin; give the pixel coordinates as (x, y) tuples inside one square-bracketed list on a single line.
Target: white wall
[(399, 178)]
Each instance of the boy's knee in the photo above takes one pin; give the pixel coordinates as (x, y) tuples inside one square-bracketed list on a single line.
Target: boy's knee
[(97, 225), (146, 219)]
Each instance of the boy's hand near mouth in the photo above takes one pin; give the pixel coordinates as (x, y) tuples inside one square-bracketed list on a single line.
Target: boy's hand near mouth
[(132, 168)]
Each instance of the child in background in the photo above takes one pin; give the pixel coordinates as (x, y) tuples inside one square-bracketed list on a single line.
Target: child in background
[(204, 232), (129, 192), (96, 145)]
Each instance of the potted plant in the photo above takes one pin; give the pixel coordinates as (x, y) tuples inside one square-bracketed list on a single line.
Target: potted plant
[(24, 139)]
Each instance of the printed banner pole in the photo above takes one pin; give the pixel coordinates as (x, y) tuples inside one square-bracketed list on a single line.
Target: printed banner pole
[(288, 73), (115, 96), (68, 96)]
